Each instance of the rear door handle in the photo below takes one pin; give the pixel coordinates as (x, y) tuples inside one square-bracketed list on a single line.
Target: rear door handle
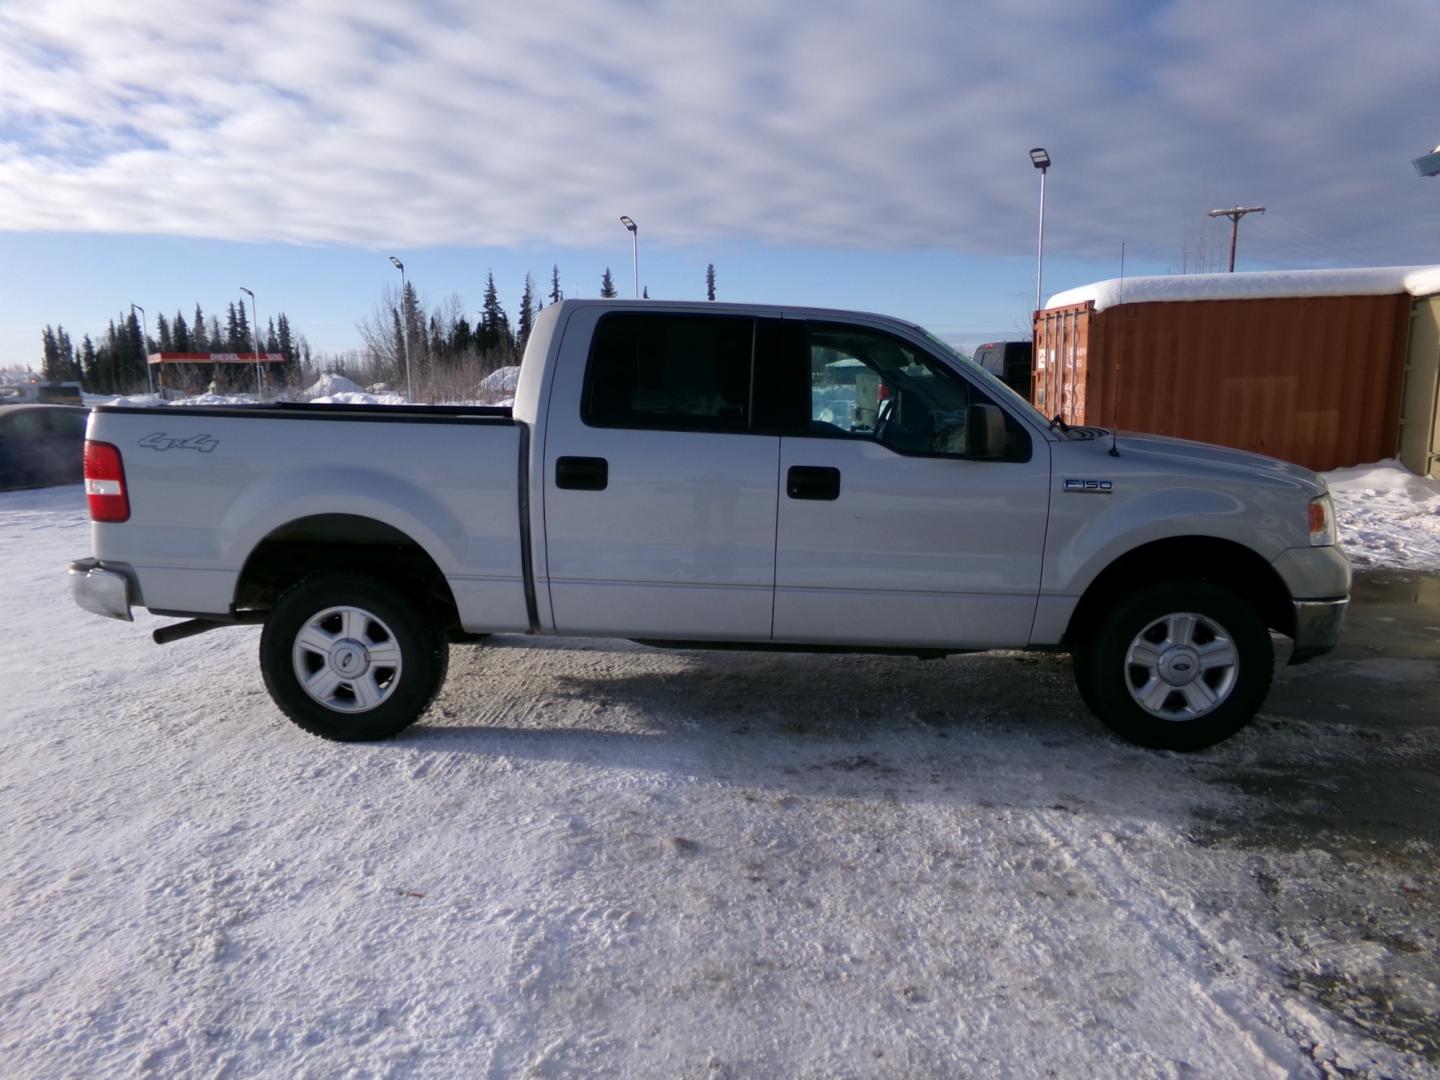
[(582, 473), (813, 482)]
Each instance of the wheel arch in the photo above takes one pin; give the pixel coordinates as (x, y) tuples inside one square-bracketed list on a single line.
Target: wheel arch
[(299, 548), (1204, 558)]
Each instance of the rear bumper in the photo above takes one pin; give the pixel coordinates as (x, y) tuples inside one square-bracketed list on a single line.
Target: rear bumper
[(1317, 627), (102, 591)]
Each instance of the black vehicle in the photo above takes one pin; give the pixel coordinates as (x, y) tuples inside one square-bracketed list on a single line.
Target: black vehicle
[(1010, 360), (41, 445)]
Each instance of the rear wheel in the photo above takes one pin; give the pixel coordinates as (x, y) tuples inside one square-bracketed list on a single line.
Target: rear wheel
[(1176, 666), (349, 657)]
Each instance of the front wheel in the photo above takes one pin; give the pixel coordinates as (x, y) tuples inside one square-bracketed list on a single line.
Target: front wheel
[(1176, 666), (348, 657)]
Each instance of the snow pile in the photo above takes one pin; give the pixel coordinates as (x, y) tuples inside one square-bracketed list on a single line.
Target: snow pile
[(214, 400), (504, 379), (1388, 516), (1255, 285), (358, 397), (121, 399), (330, 384)]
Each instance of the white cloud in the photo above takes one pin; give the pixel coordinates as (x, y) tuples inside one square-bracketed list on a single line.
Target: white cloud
[(845, 123)]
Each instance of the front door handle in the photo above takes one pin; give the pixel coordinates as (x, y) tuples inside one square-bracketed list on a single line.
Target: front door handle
[(582, 473), (813, 482)]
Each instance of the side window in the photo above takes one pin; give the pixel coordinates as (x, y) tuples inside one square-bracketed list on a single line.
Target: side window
[(64, 422), (26, 424), (675, 372), (865, 383)]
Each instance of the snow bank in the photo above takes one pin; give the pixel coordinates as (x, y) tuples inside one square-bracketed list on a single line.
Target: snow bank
[(501, 379), (358, 397), (329, 384), (121, 399), (1388, 516), (1255, 285), (217, 399)]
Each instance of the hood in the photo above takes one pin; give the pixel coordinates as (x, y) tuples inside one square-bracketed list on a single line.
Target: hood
[(1184, 457)]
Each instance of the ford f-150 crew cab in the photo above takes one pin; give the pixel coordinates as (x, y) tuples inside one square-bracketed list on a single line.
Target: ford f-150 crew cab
[(715, 475)]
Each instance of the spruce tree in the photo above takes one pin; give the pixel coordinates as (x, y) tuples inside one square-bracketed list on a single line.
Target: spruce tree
[(555, 294), (607, 286), (136, 358), (709, 281), (527, 315), (217, 339), (198, 336), (283, 339), (180, 333), (162, 328), (242, 342), (415, 327), (494, 338), (89, 366), (50, 365)]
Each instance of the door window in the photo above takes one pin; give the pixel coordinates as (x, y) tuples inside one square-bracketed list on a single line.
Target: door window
[(868, 384), (674, 372)]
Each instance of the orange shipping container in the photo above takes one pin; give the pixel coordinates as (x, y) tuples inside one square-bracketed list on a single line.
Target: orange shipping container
[(1315, 377)]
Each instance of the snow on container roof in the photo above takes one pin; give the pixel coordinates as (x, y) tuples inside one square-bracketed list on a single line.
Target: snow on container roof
[(1255, 285)]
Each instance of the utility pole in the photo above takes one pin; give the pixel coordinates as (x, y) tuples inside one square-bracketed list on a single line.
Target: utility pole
[(1235, 213)]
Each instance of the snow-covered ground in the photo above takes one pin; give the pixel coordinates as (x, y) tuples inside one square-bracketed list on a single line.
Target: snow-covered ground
[(593, 859), (1388, 516)]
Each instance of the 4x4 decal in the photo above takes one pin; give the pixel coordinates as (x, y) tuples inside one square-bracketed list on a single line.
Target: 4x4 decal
[(160, 441)]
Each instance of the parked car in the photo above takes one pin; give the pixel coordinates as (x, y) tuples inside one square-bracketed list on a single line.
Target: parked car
[(41, 445), (661, 477), (1010, 361)]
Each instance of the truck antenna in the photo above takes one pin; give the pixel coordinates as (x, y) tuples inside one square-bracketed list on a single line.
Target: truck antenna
[(1115, 391)]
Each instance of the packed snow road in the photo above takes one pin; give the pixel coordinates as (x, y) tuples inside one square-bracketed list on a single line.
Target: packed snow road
[(597, 859)]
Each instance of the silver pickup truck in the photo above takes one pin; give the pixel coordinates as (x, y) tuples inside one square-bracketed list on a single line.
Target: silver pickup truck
[(715, 475)]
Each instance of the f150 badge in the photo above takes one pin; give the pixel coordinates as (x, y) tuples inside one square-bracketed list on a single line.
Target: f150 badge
[(1090, 487), (160, 441)]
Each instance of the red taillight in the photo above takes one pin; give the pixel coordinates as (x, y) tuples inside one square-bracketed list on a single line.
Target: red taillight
[(105, 483)]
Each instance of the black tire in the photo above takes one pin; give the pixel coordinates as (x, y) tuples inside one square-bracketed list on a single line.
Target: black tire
[(1157, 684), (363, 641)]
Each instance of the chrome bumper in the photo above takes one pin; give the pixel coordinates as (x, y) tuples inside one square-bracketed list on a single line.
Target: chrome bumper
[(105, 592), (1317, 627)]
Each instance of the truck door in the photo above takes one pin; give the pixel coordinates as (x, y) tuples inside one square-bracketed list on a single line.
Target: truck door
[(889, 533), (660, 494)]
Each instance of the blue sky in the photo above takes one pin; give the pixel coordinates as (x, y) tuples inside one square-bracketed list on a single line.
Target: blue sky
[(846, 154)]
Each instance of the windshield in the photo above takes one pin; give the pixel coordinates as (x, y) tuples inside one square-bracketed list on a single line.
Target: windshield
[(992, 382)]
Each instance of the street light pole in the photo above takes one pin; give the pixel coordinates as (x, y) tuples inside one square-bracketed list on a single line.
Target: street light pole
[(1041, 160), (1235, 213), (255, 338), (629, 223), (405, 328), (144, 346)]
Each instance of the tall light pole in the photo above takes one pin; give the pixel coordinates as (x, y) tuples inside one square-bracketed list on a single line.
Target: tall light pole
[(629, 223), (1235, 213), (405, 328), (144, 346), (1041, 160), (255, 337)]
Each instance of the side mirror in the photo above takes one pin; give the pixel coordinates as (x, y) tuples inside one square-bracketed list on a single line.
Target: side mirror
[(984, 432)]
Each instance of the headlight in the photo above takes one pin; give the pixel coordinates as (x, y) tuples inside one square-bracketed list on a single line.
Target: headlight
[(1322, 521)]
